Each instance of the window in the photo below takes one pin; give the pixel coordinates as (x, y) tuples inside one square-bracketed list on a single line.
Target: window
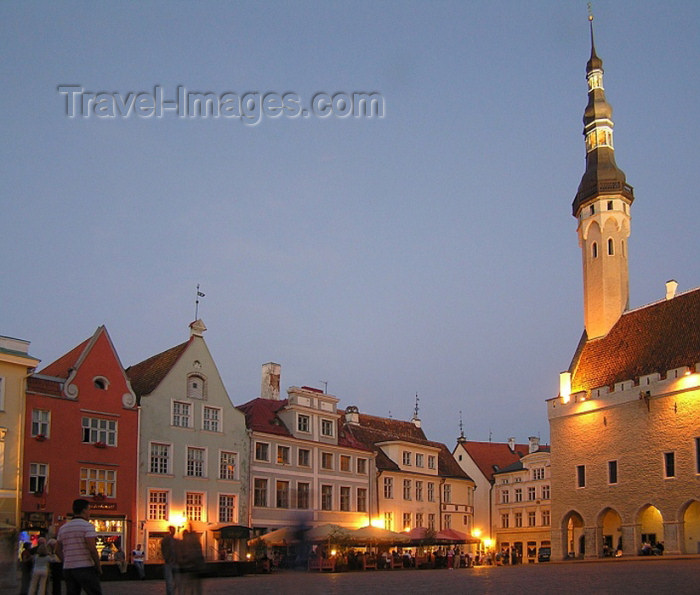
[(158, 505), (303, 493), (2, 393), (195, 462), (345, 498), (361, 499), (283, 455), (262, 451), (38, 474), (389, 521), (194, 505), (304, 457), (538, 473), (518, 494), (227, 465), (40, 423), (594, 250), (697, 455), (362, 466), (612, 472), (505, 521), (669, 464), (406, 489), (419, 519), (100, 383), (419, 459), (227, 508), (96, 429), (406, 458), (182, 414), (505, 496), (431, 521), (260, 492), (611, 247), (610, 205), (303, 424), (211, 419), (447, 493), (545, 492), (580, 476), (448, 521), (160, 458), (326, 460), (98, 481), (431, 461), (326, 497), (531, 519), (326, 427), (388, 487), (518, 519), (545, 518), (344, 463), (406, 521), (531, 493), (431, 491), (195, 387), (419, 491), (282, 494)]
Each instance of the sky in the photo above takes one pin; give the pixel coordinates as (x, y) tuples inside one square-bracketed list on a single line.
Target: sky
[(429, 252)]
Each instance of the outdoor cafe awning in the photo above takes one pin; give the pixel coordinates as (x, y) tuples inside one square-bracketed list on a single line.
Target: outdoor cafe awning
[(232, 531)]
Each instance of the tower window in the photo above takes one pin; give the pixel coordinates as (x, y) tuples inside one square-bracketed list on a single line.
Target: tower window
[(592, 209), (594, 250), (610, 205), (611, 247)]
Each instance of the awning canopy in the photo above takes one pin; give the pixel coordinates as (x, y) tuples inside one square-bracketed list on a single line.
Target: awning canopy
[(232, 531)]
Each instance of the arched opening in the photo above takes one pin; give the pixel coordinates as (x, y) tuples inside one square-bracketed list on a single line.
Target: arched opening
[(690, 529), (573, 536), (611, 528), (651, 529), (611, 247), (594, 250)]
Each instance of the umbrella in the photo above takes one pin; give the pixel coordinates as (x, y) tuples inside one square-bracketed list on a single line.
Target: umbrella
[(283, 536), (374, 535), (452, 536), (327, 532)]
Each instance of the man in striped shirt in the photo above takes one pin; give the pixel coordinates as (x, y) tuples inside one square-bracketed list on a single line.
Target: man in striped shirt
[(76, 547)]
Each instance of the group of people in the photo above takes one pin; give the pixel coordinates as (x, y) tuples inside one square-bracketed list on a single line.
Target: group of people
[(40, 564), (183, 563)]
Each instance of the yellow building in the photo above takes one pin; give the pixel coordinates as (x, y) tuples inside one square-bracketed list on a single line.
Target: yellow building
[(15, 366), (625, 427)]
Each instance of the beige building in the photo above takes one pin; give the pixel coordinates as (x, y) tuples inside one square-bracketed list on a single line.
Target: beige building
[(193, 459), (15, 365), (305, 469), (625, 427), (522, 506), (419, 484)]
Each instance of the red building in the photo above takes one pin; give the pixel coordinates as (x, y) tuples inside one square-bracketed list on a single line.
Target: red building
[(81, 438)]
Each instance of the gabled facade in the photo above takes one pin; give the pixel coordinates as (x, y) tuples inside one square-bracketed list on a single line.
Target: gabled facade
[(522, 506), (81, 428), (15, 365), (419, 484), (625, 427), (193, 461), (306, 469)]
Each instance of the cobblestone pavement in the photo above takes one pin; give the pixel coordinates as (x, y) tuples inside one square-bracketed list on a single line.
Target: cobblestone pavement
[(656, 576)]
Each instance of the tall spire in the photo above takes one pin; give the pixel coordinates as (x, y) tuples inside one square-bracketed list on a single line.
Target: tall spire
[(602, 176)]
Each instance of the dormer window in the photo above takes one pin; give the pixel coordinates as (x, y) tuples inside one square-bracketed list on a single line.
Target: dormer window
[(196, 387)]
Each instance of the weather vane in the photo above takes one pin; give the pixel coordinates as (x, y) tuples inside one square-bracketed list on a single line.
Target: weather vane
[(590, 11), (196, 303), (416, 409)]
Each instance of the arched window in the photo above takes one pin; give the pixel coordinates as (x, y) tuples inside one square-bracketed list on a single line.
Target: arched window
[(611, 247), (594, 250)]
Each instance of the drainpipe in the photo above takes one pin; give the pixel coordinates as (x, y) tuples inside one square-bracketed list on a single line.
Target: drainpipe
[(442, 483)]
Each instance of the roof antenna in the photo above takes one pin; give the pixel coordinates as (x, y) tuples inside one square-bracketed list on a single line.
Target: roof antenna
[(196, 303), (325, 386)]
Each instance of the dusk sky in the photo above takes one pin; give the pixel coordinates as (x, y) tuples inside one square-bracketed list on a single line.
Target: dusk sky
[(431, 251)]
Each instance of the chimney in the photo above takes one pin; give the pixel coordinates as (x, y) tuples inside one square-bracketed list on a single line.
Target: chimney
[(511, 444), (352, 415), (534, 444), (671, 287), (270, 384)]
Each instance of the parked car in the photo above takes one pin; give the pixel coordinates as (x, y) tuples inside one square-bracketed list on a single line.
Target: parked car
[(544, 554)]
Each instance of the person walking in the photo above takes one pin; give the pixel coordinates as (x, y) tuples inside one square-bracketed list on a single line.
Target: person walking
[(168, 548), (137, 558), (40, 572), (76, 547)]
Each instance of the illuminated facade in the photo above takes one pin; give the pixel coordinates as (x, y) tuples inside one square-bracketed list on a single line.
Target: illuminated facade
[(625, 428), (193, 461)]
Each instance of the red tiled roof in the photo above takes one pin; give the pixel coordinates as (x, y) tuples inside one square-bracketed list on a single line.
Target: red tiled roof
[(148, 374), (492, 456), (44, 386), (655, 338), (261, 416), (62, 366)]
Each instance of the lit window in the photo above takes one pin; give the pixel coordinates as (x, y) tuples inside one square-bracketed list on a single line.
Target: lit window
[(227, 465), (283, 455), (406, 521), (389, 521), (157, 505), (95, 482)]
